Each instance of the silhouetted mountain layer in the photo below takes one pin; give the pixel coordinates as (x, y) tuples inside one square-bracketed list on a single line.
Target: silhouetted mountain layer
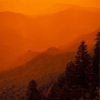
[(22, 59), (54, 51), (88, 38), (44, 68), (38, 33), (12, 44), (58, 7)]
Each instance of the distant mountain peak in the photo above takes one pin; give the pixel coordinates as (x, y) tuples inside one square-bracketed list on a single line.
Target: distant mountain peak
[(9, 12), (53, 50), (29, 51)]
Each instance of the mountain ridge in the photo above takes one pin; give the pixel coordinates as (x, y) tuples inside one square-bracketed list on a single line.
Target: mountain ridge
[(58, 29), (44, 69)]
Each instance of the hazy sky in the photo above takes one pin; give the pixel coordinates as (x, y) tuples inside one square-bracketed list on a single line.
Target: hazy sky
[(38, 6)]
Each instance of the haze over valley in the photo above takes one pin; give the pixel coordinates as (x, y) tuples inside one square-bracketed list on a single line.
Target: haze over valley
[(40, 39), (20, 33)]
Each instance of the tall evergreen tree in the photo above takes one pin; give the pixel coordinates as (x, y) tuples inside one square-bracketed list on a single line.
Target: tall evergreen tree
[(96, 62), (82, 63), (70, 73), (95, 68), (75, 83), (33, 93)]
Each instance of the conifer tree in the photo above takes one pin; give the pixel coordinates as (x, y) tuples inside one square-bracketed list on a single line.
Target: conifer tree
[(70, 73), (33, 93), (95, 67), (82, 63), (96, 62), (74, 84)]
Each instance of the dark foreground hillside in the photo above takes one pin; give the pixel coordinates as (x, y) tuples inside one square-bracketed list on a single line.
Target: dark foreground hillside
[(44, 68), (80, 80)]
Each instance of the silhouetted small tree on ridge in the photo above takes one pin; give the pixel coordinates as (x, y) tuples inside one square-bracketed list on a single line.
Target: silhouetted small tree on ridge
[(33, 93)]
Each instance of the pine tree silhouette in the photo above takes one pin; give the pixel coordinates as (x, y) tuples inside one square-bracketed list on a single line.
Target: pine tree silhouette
[(82, 63), (96, 62), (95, 68), (81, 79), (70, 73), (33, 93)]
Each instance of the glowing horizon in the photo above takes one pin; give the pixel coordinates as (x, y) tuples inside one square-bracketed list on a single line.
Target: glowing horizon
[(40, 6)]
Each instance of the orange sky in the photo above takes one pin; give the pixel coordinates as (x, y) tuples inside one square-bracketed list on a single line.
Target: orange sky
[(38, 6)]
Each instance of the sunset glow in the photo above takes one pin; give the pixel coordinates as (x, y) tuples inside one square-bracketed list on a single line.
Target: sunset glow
[(49, 49), (36, 7)]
